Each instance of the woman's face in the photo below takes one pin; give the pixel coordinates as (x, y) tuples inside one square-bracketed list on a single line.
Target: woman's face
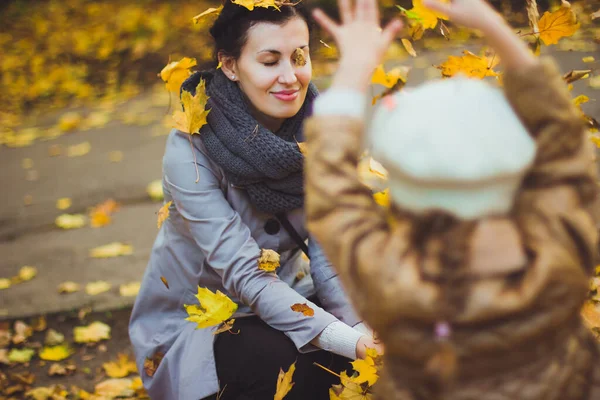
[(268, 72)]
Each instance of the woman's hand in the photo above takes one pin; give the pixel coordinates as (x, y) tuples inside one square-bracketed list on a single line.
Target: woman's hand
[(360, 40), (368, 342)]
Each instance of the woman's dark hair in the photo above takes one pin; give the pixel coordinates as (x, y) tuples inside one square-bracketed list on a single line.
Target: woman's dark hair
[(230, 30)]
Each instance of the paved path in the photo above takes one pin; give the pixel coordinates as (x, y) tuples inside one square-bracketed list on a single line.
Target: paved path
[(28, 235)]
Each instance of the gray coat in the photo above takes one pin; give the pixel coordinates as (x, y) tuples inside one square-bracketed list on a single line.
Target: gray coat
[(212, 239)]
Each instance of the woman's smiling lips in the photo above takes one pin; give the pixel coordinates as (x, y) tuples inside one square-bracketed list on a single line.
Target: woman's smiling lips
[(287, 95)]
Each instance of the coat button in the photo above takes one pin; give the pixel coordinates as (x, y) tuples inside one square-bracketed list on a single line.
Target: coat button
[(272, 226)]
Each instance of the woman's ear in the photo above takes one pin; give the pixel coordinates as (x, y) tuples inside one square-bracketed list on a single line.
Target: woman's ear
[(228, 65)]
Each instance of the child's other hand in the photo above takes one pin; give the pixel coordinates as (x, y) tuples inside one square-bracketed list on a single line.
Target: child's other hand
[(474, 14), (360, 40)]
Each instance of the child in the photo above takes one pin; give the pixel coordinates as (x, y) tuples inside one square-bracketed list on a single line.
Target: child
[(475, 279)]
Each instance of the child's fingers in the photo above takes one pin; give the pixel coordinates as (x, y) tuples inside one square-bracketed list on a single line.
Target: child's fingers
[(437, 5), (326, 23), (391, 30), (345, 11)]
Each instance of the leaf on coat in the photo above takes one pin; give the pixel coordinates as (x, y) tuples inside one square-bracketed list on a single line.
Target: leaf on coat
[(174, 73), (409, 47), (165, 281), (70, 221), (209, 14), (387, 79), (56, 353), (120, 368), (470, 65), (163, 214), (268, 260), (193, 116), (284, 382), (92, 333), (114, 249), (226, 327), (304, 309), (214, 308), (558, 24), (151, 364)]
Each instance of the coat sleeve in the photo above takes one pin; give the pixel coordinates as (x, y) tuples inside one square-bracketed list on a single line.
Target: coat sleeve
[(328, 286), (560, 187), (229, 248)]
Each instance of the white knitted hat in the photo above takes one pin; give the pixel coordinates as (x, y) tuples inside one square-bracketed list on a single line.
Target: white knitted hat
[(454, 145)]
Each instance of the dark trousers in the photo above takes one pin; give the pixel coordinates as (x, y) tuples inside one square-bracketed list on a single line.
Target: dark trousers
[(248, 364)]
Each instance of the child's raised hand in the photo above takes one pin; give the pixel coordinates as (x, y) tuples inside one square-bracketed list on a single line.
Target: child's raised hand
[(474, 14)]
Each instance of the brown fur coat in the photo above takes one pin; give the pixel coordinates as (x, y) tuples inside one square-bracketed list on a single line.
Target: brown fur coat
[(510, 286)]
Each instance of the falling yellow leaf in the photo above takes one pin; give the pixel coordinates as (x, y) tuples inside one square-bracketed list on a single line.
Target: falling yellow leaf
[(193, 116), (388, 79), (20, 355), (163, 214), (425, 16), (4, 283), (268, 260), (129, 289), (69, 121), (211, 13), (27, 273), (304, 309), (589, 59), (78, 150), (69, 287), (151, 364), (470, 65), (155, 190), (284, 382), (56, 353), (251, 4), (63, 203), (70, 221), (214, 308), (92, 333), (226, 326), (114, 249), (409, 47), (176, 72), (113, 388), (383, 198), (579, 100), (97, 287), (558, 24), (120, 368)]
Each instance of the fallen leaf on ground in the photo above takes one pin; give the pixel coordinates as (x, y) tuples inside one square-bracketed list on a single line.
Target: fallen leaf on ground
[(57, 369), (54, 337), (40, 324), (20, 355), (5, 337), (92, 333), (470, 65), (4, 356), (114, 249), (115, 156), (70, 221), (120, 368), (69, 121), (558, 24), (174, 73), (27, 163), (79, 150), (214, 308), (22, 332), (268, 260), (129, 289), (155, 190), (113, 388), (151, 364), (193, 116), (284, 382), (163, 214), (63, 203), (589, 59), (56, 353), (69, 287), (4, 283), (27, 273), (97, 287), (304, 309)]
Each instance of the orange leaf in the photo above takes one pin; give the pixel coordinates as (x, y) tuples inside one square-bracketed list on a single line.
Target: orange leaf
[(151, 364), (469, 64), (164, 281), (163, 213), (558, 24), (304, 309)]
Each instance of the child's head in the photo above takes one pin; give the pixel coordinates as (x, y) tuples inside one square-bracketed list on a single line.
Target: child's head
[(454, 145)]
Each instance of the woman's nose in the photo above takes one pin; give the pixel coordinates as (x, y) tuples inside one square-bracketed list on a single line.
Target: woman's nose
[(288, 74)]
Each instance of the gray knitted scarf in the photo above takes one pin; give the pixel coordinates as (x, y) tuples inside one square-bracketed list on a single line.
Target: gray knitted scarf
[(269, 166)]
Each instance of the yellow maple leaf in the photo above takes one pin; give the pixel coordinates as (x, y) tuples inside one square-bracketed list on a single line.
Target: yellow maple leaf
[(174, 73), (388, 79), (163, 214), (56, 353), (284, 382), (251, 4), (120, 368), (211, 13), (367, 372), (268, 260), (214, 308), (558, 24), (424, 16), (193, 116), (383, 198), (91, 333), (70, 221), (114, 249), (470, 65)]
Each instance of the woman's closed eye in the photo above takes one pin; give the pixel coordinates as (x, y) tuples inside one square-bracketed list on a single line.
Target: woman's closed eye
[(270, 64)]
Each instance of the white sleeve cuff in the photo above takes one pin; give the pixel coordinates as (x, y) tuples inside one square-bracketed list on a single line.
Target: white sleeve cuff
[(339, 101), (364, 329), (338, 338)]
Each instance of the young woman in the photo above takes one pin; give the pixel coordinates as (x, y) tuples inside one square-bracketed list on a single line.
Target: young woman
[(249, 197)]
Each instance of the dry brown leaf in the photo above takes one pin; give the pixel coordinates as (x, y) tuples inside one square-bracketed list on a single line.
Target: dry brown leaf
[(22, 332), (575, 75), (151, 364), (129, 289), (63, 203), (79, 150), (226, 326), (57, 369), (165, 281), (304, 309)]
